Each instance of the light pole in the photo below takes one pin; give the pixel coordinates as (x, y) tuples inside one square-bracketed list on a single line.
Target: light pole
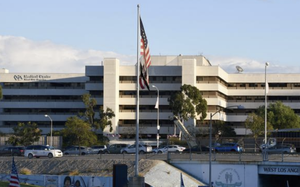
[(47, 116), (266, 91), (210, 138), (157, 107)]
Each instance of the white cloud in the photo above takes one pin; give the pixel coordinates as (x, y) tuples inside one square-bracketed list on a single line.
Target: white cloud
[(249, 65), (18, 54)]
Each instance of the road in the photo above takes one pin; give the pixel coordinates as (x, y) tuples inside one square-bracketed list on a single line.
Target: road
[(219, 157)]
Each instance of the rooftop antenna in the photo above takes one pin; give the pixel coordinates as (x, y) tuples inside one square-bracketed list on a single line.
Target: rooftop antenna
[(239, 69)]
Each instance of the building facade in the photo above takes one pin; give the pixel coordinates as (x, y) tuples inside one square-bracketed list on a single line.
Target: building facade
[(28, 97)]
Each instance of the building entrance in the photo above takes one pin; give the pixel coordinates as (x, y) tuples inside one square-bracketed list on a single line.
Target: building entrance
[(278, 180)]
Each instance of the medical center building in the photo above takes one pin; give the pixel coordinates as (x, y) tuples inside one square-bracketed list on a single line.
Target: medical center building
[(27, 97)]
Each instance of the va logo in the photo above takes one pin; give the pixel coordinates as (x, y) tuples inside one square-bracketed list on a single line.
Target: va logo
[(18, 77), (229, 178)]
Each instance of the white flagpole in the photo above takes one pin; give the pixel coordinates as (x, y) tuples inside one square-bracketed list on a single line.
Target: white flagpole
[(137, 95), (266, 104)]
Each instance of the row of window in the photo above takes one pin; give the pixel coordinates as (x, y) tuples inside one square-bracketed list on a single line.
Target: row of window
[(152, 79), (43, 111), (214, 94), (213, 79), (147, 93), (262, 98), (47, 98), (42, 124), (151, 94), (43, 85)]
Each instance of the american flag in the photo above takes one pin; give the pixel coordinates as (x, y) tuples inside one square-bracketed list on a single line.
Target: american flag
[(145, 60), (14, 179)]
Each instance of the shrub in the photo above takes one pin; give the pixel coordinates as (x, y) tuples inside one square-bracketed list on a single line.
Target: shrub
[(25, 171), (74, 172), (174, 140)]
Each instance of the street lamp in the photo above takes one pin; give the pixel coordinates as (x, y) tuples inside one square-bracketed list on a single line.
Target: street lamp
[(266, 91), (157, 107), (47, 116), (210, 138)]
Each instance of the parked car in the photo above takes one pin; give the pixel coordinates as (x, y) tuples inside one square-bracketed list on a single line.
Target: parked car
[(229, 147), (76, 150), (196, 149), (279, 149), (12, 151), (115, 148), (171, 148), (175, 148), (160, 149), (98, 149), (42, 151), (272, 146), (132, 149)]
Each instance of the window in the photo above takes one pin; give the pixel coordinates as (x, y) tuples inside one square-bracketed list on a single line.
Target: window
[(252, 84)]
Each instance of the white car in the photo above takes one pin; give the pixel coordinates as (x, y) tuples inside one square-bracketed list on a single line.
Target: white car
[(42, 151), (142, 149), (171, 148), (98, 149)]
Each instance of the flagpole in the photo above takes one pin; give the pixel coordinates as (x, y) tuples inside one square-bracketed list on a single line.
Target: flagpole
[(266, 87), (137, 95)]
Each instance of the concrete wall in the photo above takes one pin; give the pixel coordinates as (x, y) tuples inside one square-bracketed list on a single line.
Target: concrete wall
[(59, 180), (238, 174)]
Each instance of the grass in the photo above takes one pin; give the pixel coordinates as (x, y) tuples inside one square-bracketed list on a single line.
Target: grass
[(5, 184), (25, 171)]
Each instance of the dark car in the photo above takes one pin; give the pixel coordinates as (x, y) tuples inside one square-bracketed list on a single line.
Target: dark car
[(12, 151), (196, 149), (229, 147), (115, 148), (75, 150), (279, 149)]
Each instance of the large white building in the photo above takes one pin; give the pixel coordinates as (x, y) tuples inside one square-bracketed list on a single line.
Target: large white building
[(29, 96)]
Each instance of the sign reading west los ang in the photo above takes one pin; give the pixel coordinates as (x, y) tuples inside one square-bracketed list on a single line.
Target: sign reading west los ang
[(279, 170)]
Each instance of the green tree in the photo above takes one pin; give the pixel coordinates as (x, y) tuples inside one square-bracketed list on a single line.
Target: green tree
[(25, 134), (89, 114), (1, 96), (224, 130), (279, 116), (256, 124), (105, 118), (282, 117), (2, 133), (188, 103), (78, 132)]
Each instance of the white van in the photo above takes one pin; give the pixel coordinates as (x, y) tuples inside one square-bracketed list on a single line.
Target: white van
[(42, 151)]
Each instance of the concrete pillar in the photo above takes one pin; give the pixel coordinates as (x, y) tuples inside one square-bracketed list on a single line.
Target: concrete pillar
[(136, 182), (111, 90)]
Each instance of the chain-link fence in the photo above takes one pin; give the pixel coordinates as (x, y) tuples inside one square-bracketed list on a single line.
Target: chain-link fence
[(44, 140)]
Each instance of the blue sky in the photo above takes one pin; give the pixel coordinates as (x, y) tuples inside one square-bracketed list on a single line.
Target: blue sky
[(64, 36)]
